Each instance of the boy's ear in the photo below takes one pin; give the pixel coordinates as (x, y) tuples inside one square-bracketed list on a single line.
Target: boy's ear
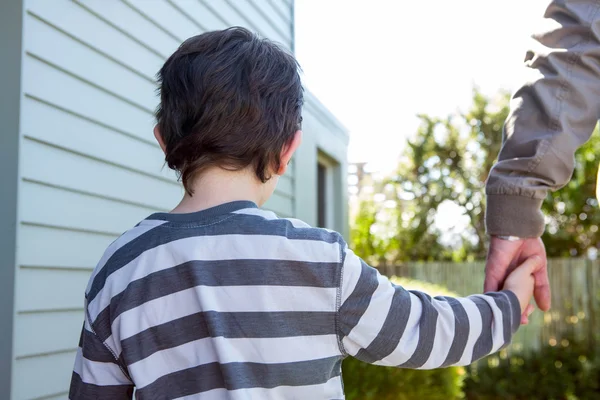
[(159, 139), (288, 151)]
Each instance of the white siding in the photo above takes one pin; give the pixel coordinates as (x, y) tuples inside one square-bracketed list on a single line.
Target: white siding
[(89, 166)]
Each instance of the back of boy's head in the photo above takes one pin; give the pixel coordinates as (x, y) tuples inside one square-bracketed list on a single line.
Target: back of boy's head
[(229, 99)]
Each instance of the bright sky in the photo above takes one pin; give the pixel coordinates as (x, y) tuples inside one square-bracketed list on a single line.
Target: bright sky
[(376, 64)]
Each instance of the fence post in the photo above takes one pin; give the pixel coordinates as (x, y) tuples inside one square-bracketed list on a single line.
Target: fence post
[(592, 301)]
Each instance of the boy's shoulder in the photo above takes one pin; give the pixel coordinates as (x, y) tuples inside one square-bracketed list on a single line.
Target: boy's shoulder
[(158, 229), (125, 239), (293, 228)]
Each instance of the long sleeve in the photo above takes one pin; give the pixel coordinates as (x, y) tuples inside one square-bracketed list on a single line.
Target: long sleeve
[(384, 324), (551, 116), (97, 375)]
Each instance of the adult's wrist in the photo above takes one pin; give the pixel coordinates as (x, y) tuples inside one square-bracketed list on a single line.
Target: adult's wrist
[(518, 216), (508, 238)]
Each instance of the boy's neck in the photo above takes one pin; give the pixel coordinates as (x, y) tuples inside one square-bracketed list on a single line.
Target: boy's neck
[(217, 186)]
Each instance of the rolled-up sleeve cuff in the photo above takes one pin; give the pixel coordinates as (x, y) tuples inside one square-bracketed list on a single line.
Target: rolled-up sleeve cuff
[(520, 216)]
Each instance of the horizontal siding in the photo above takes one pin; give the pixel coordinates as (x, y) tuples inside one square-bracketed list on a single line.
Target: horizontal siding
[(260, 21), (48, 332), (90, 66), (211, 19), (124, 17), (63, 168), (47, 375), (177, 17), (282, 205), (84, 136), (285, 187), (43, 282), (55, 206), (84, 27), (284, 11), (45, 345), (51, 246), (68, 92), (76, 172)]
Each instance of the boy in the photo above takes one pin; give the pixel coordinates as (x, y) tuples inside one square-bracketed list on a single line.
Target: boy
[(222, 300)]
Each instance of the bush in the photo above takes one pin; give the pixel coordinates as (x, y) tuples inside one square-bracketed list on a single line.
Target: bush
[(567, 371), (364, 381)]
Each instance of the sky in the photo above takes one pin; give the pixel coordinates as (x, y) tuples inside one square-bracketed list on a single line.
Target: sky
[(377, 64)]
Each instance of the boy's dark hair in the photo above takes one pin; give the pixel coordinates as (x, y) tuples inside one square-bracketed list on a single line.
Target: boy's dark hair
[(230, 99)]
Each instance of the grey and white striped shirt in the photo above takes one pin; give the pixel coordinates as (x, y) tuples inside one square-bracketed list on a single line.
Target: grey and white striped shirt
[(235, 303)]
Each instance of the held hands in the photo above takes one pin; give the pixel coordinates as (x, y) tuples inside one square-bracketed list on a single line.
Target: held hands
[(521, 282), (530, 256)]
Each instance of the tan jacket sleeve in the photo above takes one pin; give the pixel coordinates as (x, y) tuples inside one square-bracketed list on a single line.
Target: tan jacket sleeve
[(551, 116)]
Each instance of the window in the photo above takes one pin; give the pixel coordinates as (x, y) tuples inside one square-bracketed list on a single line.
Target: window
[(327, 196), (321, 195)]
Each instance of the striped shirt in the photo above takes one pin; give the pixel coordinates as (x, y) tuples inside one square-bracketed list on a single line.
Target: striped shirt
[(235, 303)]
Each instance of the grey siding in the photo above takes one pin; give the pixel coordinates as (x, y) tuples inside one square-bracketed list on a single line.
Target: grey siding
[(89, 166), (10, 79), (322, 134)]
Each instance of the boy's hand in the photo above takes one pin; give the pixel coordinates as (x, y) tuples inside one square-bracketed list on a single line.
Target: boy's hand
[(521, 283)]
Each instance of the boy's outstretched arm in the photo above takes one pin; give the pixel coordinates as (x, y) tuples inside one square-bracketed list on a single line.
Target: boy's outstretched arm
[(97, 375), (381, 323)]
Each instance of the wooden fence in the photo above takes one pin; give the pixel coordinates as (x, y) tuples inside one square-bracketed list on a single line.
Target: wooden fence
[(575, 311)]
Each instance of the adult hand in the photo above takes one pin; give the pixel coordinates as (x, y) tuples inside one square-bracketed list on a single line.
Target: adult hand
[(505, 255)]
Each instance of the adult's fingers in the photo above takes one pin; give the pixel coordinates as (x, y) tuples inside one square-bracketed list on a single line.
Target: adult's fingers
[(501, 256), (541, 291), (494, 276)]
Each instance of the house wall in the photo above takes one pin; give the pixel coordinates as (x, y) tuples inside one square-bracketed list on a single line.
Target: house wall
[(10, 81), (89, 168)]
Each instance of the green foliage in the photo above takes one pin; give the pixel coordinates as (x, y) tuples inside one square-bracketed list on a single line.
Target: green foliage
[(447, 161), (364, 242), (364, 381), (573, 217), (554, 373)]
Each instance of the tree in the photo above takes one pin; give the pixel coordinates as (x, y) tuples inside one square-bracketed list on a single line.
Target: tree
[(443, 170), (572, 215), (448, 161)]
